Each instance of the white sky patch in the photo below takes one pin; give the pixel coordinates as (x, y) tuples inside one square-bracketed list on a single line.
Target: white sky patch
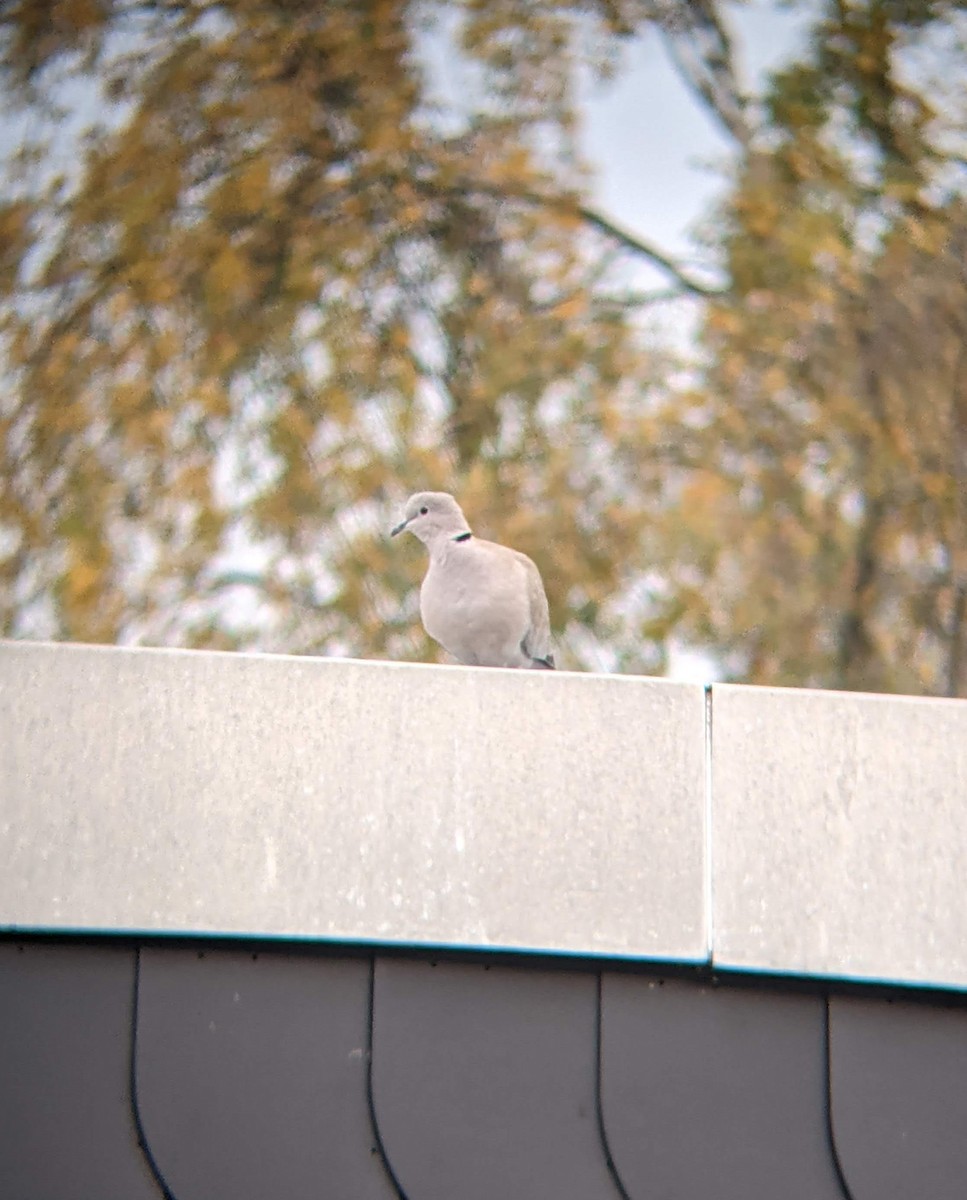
[(689, 665)]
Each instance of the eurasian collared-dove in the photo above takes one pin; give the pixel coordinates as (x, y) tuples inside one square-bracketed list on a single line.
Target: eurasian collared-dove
[(483, 603)]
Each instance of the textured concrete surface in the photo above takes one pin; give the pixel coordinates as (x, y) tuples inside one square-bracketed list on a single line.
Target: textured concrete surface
[(839, 834), (185, 791)]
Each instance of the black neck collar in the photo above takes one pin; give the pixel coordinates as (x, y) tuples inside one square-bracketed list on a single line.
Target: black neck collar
[(463, 537)]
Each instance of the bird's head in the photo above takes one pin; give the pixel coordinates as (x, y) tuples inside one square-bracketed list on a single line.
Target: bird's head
[(432, 515)]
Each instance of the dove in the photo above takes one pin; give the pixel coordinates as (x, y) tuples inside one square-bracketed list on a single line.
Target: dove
[(484, 603)]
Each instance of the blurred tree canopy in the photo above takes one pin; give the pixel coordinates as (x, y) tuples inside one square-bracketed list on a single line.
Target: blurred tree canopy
[(281, 281), (827, 504), (283, 286)]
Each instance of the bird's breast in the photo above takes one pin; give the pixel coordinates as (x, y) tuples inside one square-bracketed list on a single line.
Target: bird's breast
[(478, 614)]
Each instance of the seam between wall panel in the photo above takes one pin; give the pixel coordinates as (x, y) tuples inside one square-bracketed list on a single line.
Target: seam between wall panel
[(133, 1097)]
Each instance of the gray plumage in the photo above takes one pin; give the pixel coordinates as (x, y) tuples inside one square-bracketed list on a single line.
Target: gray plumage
[(484, 603)]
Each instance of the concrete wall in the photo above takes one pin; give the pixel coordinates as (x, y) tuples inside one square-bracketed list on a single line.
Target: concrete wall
[(174, 792)]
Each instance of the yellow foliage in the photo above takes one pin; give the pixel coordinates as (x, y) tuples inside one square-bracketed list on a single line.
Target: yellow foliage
[(296, 424), (229, 280), (80, 14), (214, 398), (81, 582), (574, 306), (158, 424), (251, 187), (129, 397), (703, 494)]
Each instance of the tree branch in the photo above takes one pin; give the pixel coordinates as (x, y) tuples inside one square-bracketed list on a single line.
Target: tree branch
[(568, 205), (637, 245), (701, 49)]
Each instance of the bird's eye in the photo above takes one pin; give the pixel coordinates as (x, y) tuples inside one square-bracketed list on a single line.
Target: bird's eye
[(424, 510)]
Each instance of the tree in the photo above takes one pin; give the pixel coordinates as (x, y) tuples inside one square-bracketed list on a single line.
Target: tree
[(827, 489), (279, 287)]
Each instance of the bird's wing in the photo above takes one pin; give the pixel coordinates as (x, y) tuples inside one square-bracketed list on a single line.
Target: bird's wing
[(537, 640)]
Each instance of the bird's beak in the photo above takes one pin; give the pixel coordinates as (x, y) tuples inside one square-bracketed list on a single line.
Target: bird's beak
[(399, 528)]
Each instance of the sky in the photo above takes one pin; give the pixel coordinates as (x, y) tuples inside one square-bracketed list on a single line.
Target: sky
[(652, 144)]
